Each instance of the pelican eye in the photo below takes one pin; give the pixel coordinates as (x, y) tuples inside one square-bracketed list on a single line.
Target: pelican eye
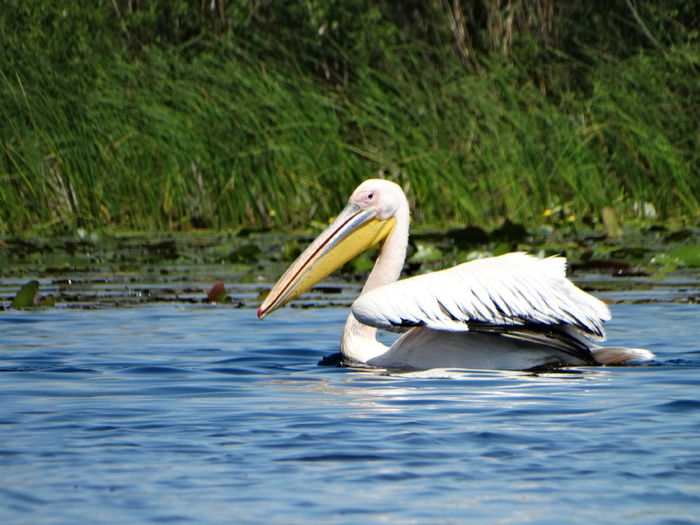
[(370, 196)]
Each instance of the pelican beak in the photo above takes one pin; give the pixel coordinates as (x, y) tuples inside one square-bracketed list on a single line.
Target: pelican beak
[(353, 231)]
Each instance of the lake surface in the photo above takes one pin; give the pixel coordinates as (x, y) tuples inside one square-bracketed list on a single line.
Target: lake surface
[(117, 411)]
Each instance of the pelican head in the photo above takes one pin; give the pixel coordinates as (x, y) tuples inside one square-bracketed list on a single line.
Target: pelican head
[(367, 220)]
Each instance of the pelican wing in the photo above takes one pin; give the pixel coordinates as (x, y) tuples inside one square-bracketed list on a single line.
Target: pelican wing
[(513, 290)]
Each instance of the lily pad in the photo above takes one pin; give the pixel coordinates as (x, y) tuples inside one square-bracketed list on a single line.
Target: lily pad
[(362, 263), (630, 252), (689, 254), (26, 295), (217, 293), (468, 236), (678, 235), (510, 231), (426, 252), (45, 301), (247, 254), (291, 250)]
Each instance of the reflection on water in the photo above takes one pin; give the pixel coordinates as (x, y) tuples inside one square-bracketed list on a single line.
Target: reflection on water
[(196, 413)]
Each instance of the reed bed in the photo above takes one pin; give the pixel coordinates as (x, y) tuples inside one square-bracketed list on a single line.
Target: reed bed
[(235, 134)]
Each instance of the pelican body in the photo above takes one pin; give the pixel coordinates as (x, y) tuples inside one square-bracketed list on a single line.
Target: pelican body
[(512, 312)]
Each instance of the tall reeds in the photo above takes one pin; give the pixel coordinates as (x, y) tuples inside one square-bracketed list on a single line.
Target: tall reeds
[(222, 132)]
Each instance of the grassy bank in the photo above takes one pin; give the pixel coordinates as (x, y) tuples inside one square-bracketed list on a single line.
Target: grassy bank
[(103, 124)]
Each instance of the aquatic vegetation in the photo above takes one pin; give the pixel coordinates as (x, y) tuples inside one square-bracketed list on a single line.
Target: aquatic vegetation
[(170, 116), (28, 297), (689, 255), (217, 293), (129, 269), (25, 296)]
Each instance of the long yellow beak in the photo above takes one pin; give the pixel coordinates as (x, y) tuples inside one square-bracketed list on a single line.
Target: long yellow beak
[(353, 231)]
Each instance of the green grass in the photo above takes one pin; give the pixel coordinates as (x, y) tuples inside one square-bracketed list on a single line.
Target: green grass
[(232, 137)]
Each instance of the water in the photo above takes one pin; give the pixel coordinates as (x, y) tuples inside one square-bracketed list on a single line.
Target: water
[(133, 401), (191, 413)]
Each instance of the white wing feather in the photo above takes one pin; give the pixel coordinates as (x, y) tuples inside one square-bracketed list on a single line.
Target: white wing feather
[(511, 290)]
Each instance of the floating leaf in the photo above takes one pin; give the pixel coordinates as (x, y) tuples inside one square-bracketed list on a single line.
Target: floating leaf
[(45, 301), (25, 296), (630, 252), (362, 263), (217, 293), (510, 231), (689, 254), (426, 252), (291, 250), (468, 236), (678, 235), (502, 248), (165, 249), (617, 267), (247, 253)]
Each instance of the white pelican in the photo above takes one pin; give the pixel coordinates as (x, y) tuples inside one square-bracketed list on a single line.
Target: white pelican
[(513, 312)]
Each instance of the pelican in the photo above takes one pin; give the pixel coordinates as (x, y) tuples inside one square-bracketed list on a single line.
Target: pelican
[(512, 312)]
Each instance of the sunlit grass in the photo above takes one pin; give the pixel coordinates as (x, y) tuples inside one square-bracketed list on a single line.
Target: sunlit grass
[(167, 143)]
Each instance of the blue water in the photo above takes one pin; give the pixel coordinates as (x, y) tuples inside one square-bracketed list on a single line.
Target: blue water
[(189, 413)]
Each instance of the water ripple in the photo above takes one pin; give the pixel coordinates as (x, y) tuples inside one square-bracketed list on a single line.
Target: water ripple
[(195, 414)]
